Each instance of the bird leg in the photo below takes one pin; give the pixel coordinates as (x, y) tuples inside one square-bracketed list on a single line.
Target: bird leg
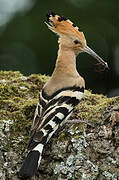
[(73, 121)]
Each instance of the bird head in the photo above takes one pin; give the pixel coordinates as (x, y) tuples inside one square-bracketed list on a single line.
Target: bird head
[(70, 35)]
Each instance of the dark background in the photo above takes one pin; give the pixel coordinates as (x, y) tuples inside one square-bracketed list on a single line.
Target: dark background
[(28, 46)]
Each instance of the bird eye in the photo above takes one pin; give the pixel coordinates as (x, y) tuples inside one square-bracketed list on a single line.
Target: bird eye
[(76, 41)]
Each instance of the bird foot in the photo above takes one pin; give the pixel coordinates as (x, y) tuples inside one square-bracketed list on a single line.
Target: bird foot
[(73, 121)]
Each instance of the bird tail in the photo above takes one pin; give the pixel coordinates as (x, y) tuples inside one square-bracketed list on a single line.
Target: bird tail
[(31, 162)]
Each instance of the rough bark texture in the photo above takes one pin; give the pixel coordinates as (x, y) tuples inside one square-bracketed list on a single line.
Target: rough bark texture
[(86, 151)]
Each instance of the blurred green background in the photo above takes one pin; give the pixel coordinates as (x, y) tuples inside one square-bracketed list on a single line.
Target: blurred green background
[(28, 46)]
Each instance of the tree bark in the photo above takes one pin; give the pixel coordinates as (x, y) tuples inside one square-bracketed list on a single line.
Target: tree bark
[(86, 150)]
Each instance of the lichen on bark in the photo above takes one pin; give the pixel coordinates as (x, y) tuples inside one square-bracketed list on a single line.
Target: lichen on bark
[(86, 151)]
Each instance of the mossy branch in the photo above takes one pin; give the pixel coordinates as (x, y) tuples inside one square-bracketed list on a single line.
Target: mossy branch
[(79, 151)]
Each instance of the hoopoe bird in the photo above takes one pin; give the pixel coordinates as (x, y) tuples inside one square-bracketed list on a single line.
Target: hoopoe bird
[(61, 93)]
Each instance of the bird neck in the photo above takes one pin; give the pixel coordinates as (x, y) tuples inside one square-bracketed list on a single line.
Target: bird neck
[(66, 61), (65, 73)]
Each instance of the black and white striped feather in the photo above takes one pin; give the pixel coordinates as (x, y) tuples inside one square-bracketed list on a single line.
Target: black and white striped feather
[(51, 112)]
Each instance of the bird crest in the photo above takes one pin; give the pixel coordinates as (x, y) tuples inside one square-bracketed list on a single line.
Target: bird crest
[(70, 35), (63, 26)]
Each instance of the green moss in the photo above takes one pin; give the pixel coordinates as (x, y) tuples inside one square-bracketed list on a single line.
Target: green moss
[(18, 99), (92, 110), (93, 107), (10, 75)]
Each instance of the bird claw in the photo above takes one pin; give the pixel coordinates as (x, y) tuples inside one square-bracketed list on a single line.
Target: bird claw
[(73, 121)]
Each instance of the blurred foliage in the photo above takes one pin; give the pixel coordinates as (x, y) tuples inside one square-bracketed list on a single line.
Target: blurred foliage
[(28, 46)]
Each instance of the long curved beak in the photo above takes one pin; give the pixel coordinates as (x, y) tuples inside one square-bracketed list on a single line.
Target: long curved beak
[(93, 54)]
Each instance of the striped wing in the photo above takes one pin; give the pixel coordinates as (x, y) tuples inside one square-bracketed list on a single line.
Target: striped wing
[(54, 112), (38, 114)]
